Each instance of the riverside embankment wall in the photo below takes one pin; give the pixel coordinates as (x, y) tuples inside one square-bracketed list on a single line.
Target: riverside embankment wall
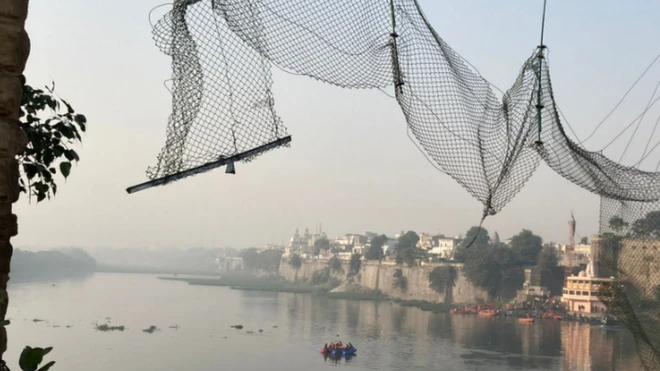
[(380, 276)]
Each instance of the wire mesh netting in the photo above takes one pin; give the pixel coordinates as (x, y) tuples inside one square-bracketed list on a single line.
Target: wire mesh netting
[(222, 104), (222, 51)]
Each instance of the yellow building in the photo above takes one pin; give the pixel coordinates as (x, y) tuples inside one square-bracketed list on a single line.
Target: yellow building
[(581, 293)]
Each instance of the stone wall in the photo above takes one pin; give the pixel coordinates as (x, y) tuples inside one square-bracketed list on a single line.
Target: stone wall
[(377, 276), (639, 264)]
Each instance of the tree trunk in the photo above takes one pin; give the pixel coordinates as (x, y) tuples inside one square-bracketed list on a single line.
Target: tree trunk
[(14, 50)]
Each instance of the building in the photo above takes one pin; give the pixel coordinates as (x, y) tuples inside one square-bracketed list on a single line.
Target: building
[(359, 249), (303, 244), (425, 241), (582, 293), (581, 253), (347, 241), (532, 286)]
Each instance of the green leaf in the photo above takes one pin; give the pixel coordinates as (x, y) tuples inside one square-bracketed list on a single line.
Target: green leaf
[(30, 170), (47, 366), (65, 168), (31, 358), (68, 107), (48, 157), (5, 323), (58, 150), (81, 120), (71, 155), (23, 359)]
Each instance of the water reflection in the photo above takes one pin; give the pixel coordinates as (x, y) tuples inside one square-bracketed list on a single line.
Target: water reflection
[(388, 336), (72, 277), (393, 337)]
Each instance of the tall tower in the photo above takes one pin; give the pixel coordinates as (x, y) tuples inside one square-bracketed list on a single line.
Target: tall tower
[(570, 247)]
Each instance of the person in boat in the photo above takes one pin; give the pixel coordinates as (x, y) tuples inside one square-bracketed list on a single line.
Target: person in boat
[(349, 346), (325, 348)]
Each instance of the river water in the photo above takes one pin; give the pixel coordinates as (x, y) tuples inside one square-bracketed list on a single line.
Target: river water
[(295, 327)]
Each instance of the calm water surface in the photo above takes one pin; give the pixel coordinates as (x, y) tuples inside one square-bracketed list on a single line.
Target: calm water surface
[(295, 327)]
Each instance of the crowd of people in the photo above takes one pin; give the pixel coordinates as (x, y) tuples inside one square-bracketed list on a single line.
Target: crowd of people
[(338, 345)]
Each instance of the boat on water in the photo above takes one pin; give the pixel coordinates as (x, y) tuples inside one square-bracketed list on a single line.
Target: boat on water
[(552, 315), (526, 320), (338, 351), (488, 312)]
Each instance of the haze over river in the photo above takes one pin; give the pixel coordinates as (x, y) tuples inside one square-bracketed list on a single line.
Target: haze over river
[(295, 327)]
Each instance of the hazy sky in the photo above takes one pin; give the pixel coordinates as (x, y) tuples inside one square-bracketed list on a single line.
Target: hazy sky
[(351, 165)]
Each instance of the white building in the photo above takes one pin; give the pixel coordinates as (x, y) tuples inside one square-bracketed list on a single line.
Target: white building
[(425, 241), (444, 248), (303, 243), (351, 239)]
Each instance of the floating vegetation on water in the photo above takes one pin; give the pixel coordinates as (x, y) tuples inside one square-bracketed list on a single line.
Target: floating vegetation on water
[(238, 327), (176, 327), (275, 326), (106, 327), (56, 325), (261, 330), (250, 332), (151, 329), (37, 320), (68, 326)]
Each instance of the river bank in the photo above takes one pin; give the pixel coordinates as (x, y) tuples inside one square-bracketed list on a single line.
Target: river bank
[(277, 284), (348, 292)]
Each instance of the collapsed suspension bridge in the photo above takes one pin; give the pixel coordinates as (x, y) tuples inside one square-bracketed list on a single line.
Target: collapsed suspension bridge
[(223, 110)]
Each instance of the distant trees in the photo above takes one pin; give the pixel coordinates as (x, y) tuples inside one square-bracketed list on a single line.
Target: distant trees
[(527, 246), (492, 267), (335, 265), (408, 240), (442, 280), (321, 244), (547, 259), (295, 261), (649, 226), (552, 275), (608, 256), (406, 248), (584, 240), (266, 261), (269, 260), (250, 257), (354, 265), (618, 225), (51, 263), (476, 238), (399, 280), (375, 250)]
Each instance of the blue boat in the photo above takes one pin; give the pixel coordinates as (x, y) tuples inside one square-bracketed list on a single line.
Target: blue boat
[(344, 352)]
